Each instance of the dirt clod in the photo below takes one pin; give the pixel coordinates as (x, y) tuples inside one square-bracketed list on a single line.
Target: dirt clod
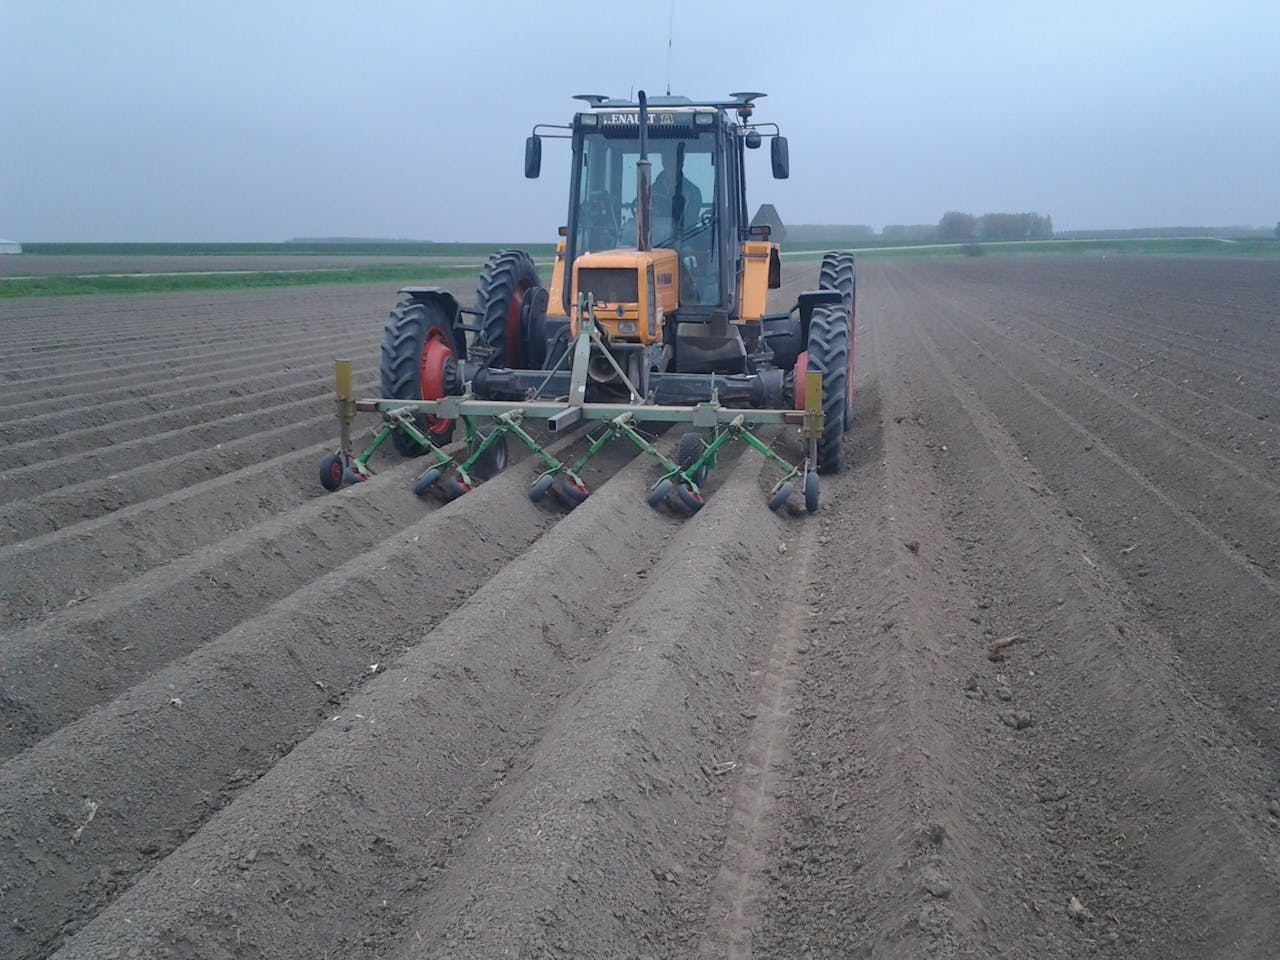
[(1077, 910), (1017, 719)]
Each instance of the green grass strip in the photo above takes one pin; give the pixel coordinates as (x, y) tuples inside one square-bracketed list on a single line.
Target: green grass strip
[(62, 286), (355, 248)]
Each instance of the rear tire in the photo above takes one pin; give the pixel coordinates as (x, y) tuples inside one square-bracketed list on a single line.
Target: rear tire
[(828, 354), (838, 272), (418, 330), (507, 277)]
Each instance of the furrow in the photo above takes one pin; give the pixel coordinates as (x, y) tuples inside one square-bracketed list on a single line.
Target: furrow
[(207, 442), (245, 698), (48, 438), (179, 378), (357, 814), (48, 572)]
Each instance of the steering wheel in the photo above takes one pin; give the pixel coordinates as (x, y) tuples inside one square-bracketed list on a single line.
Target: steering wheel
[(600, 220)]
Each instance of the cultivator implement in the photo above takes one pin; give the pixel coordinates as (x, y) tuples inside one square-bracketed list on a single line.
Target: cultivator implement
[(489, 425)]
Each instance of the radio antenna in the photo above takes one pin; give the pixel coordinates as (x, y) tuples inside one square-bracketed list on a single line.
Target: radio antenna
[(671, 24)]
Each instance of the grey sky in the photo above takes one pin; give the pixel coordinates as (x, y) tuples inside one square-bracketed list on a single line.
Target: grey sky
[(266, 120)]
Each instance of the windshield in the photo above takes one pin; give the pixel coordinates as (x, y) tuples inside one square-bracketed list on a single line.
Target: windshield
[(683, 213)]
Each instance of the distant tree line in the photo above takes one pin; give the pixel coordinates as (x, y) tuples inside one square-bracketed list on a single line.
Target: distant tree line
[(955, 225), (1225, 233)]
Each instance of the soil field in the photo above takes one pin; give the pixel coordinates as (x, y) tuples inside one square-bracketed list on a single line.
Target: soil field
[(1012, 692), (54, 265)]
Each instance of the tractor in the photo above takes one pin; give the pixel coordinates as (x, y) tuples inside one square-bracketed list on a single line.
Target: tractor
[(655, 314)]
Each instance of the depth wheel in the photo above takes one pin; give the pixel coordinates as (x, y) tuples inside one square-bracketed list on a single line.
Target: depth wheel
[(828, 353), (690, 499), (689, 450), (811, 492), (507, 277), (455, 488), (541, 487), (571, 492), (331, 470), (426, 482), (419, 363), (494, 460), (658, 493), (778, 499)]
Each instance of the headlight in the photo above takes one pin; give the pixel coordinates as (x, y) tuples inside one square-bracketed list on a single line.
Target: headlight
[(627, 327)]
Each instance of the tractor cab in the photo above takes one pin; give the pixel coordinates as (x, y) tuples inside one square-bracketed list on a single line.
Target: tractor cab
[(689, 212), (697, 197)]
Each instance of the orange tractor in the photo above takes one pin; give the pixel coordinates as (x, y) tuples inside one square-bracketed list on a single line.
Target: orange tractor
[(655, 314)]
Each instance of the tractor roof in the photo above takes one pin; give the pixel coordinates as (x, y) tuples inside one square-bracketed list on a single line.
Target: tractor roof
[(737, 101)]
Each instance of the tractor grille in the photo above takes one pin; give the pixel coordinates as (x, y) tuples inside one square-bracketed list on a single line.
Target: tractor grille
[(610, 284)]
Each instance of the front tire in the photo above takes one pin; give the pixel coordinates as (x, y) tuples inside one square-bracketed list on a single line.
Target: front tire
[(418, 361), (507, 277)]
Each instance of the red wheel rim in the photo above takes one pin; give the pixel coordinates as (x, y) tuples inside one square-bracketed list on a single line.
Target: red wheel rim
[(802, 367), (514, 309), (436, 354)]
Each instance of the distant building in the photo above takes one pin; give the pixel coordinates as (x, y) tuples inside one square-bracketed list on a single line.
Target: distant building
[(10, 246)]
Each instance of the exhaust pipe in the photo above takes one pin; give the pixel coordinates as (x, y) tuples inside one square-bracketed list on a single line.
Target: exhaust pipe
[(644, 182)]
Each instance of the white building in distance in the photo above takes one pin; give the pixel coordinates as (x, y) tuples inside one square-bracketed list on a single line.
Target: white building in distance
[(10, 246)]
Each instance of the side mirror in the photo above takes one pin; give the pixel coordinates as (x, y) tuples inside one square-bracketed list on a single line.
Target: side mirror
[(533, 157), (781, 161)]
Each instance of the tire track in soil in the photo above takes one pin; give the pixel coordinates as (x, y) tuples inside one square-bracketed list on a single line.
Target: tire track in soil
[(733, 911), (280, 674), (601, 841)]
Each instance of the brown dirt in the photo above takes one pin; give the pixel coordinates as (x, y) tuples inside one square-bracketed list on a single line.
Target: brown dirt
[(242, 718)]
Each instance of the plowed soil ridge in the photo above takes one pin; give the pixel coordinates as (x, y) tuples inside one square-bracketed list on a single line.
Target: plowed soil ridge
[(328, 651), (1011, 692), (466, 701)]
